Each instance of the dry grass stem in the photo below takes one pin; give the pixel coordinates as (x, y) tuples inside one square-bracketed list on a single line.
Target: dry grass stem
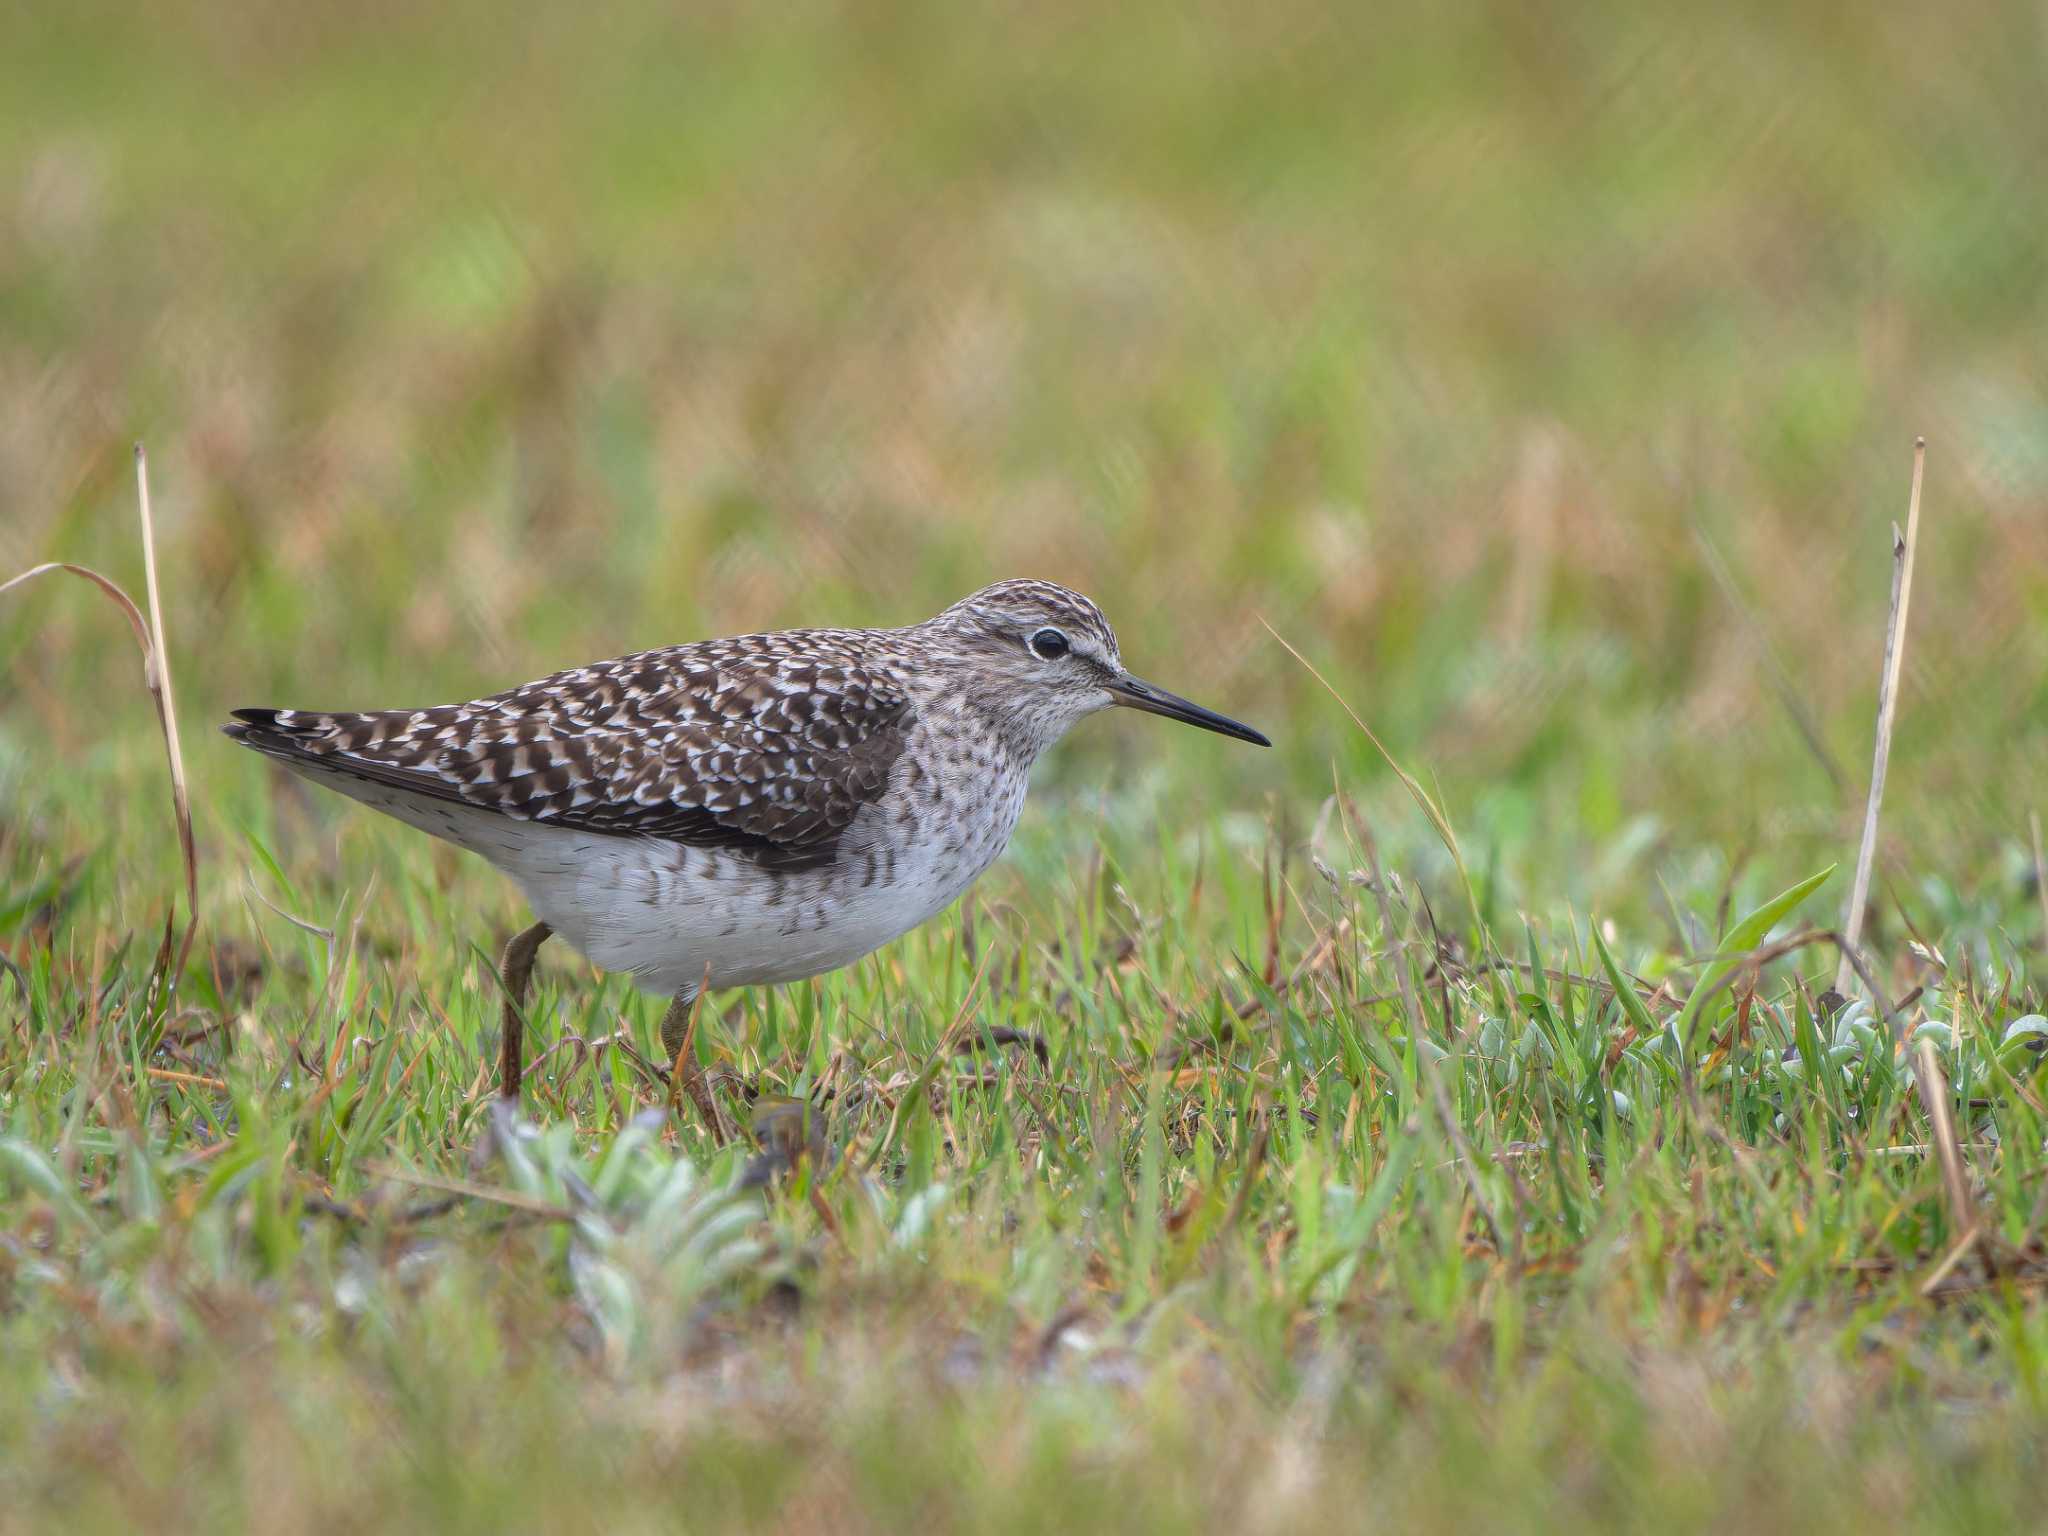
[(510, 1198), (1903, 547), (1932, 1083), (156, 676), (157, 672)]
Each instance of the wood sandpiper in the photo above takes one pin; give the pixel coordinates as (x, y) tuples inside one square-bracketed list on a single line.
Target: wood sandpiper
[(743, 811)]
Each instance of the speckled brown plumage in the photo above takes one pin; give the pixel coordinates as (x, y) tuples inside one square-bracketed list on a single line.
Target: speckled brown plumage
[(753, 809), (763, 744)]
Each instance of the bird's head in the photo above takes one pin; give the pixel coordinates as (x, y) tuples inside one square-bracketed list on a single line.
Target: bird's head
[(1050, 658)]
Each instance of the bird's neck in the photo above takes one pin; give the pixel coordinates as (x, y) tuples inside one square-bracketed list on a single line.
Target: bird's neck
[(1013, 734)]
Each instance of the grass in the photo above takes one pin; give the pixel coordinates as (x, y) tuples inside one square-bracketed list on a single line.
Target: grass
[(1546, 377)]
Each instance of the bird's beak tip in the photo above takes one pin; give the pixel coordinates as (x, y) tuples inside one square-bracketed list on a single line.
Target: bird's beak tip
[(1133, 693)]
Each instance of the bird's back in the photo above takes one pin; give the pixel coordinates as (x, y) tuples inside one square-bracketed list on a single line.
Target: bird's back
[(763, 745)]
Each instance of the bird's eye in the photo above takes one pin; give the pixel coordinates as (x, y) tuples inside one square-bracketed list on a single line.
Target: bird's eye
[(1050, 644)]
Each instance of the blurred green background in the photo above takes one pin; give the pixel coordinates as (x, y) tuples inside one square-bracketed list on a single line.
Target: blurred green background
[(1448, 337), (1548, 373)]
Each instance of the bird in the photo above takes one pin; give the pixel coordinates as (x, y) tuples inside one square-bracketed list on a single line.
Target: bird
[(743, 811)]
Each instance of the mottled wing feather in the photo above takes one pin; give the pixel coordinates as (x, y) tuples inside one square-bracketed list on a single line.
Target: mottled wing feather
[(766, 744)]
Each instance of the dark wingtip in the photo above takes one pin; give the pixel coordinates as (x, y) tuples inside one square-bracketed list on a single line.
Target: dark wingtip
[(251, 724)]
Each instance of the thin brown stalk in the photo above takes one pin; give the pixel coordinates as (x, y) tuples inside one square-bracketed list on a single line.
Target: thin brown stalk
[(1955, 1187), (511, 1198), (157, 672), (1903, 548), (1936, 1283), (300, 923), (156, 677), (194, 1079)]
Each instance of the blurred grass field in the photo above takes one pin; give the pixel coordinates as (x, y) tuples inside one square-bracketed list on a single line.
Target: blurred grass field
[(1546, 373)]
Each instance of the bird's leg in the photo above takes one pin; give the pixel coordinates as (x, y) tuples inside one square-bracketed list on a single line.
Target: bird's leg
[(676, 1031), (517, 969), (679, 1044)]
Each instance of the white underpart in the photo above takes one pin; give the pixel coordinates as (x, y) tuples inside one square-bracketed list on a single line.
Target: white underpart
[(667, 915)]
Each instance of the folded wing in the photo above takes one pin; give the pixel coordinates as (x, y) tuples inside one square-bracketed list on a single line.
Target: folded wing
[(768, 746)]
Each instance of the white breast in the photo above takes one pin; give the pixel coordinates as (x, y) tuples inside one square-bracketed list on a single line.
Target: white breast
[(669, 915), (672, 916)]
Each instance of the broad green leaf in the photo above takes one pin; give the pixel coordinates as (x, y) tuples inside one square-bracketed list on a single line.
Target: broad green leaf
[(1736, 944), (1751, 931)]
